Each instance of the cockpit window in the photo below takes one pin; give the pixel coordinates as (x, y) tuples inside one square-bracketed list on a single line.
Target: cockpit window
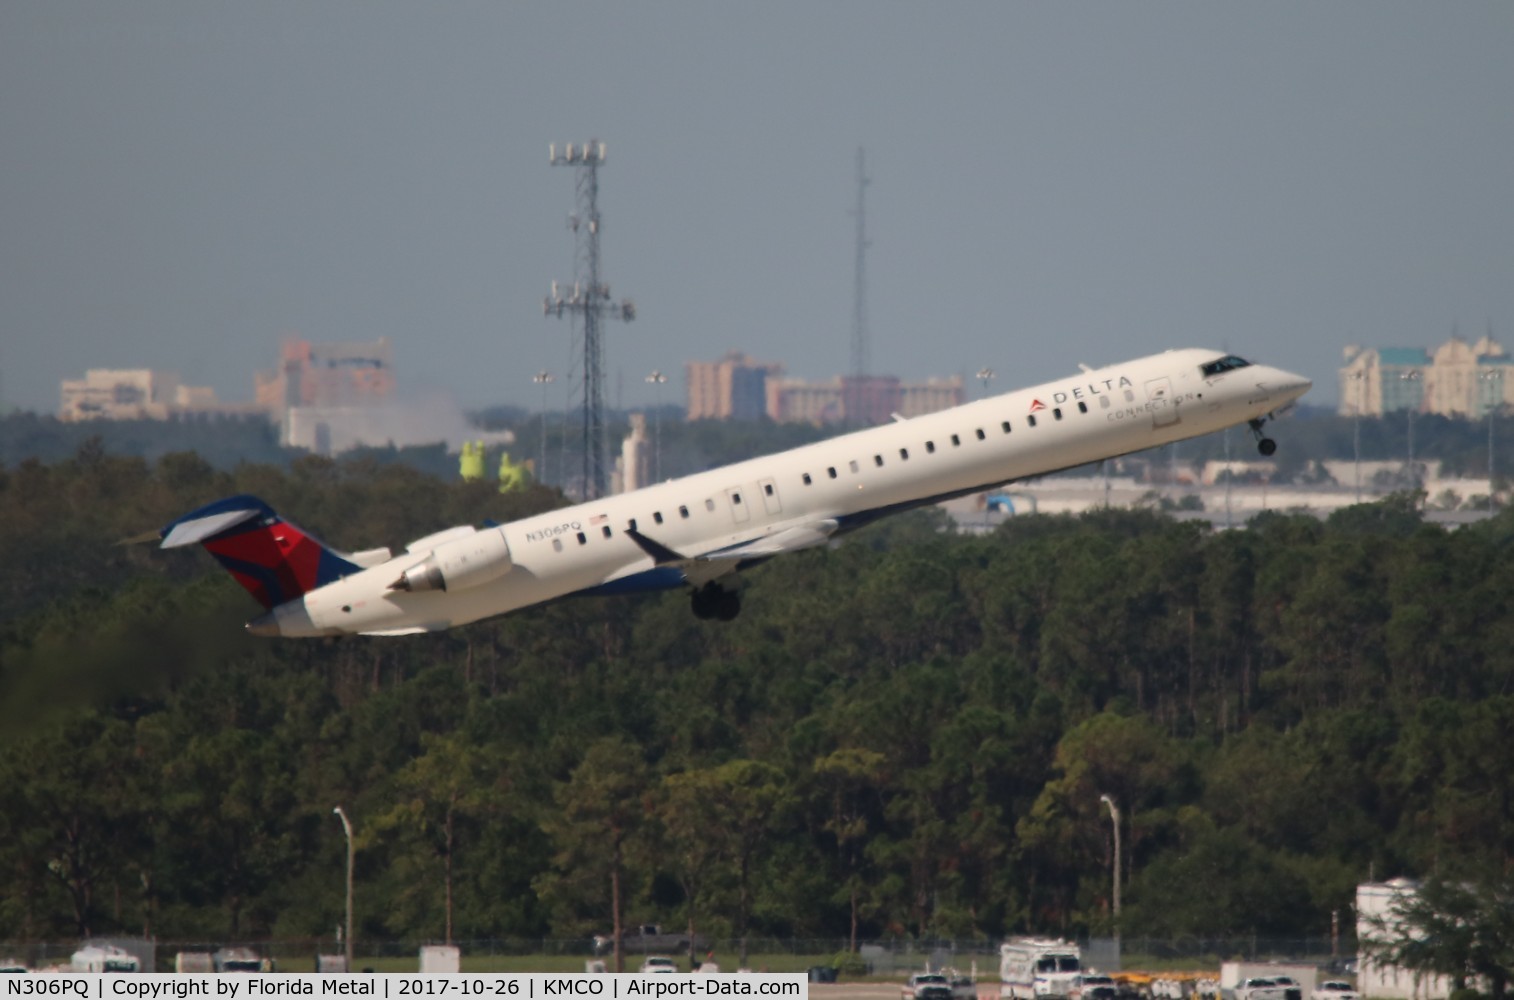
[(1225, 364)]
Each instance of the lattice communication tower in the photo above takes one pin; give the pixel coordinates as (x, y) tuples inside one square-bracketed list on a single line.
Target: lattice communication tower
[(860, 361), (588, 303)]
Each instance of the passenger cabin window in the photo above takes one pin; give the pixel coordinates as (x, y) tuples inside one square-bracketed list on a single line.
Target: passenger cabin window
[(1057, 413), (832, 471), (606, 530), (1130, 395), (1004, 424), (853, 465), (1082, 407), (683, 511), (583, 539), (768, 489), (904, 454), (735, 499), (981, 435), (1228, 363), (1103, 402), (557, 545), (930, 447), (956, 441), (657, 516), (632, 525), (709, 505), (1031, 420), (878, 460), (807, 479)]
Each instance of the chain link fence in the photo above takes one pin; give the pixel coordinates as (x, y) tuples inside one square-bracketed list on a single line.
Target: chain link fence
[(885, 956)]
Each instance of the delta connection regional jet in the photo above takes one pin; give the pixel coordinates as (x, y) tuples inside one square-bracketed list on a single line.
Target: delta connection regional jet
[(700, 531)]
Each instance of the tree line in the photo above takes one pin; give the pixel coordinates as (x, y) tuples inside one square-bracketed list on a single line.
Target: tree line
[(908, 734)]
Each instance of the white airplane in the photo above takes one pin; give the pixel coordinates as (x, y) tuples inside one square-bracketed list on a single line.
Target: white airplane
[(700, 531)]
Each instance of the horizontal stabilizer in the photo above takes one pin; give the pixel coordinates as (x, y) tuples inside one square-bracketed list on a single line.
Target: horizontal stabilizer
[(196, 529)]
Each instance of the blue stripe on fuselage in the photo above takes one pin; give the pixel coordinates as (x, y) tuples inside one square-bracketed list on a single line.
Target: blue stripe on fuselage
[(658, 578)]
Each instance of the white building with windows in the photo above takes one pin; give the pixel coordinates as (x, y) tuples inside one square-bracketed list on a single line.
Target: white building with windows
[(1376, 904)]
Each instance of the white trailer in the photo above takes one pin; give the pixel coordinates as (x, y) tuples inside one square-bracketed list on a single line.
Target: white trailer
[(1038, 969)]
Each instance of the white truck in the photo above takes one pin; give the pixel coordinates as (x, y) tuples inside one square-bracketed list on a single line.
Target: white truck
[(1038, 969), (107, 958)]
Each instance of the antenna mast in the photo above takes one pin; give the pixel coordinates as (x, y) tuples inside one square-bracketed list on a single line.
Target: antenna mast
[(860, 360), (588, 302)]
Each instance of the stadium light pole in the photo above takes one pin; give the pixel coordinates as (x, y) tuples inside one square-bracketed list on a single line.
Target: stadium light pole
[(1114, 816), (543, 378), (347, 828), (657, 378)]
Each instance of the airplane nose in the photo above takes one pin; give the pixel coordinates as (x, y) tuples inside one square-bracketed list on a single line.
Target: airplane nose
[(1294, 386), (1283, 386)]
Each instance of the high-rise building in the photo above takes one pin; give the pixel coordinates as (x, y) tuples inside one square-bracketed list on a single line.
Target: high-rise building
[(868, 400), (1456, 379), (733, 388), (327, 375)]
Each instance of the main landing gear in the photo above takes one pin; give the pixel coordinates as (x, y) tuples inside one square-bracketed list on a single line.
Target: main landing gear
[(713, 601), (1264, 444)]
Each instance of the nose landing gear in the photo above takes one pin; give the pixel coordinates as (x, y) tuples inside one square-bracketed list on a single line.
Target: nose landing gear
[(1264, 444)]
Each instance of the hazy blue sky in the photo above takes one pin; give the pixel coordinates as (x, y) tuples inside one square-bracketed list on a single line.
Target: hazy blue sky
[(183, 183)]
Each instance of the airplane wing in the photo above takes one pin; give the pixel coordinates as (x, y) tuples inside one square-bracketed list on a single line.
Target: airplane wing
[(699, 570)]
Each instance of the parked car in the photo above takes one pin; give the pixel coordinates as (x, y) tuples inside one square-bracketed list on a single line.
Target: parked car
[(658, 963), (963, 987), (1335, 989), (1097, 988), (926, 986)]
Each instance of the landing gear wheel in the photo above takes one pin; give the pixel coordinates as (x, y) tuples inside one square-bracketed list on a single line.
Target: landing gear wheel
[(1264, 444), (712, 602)]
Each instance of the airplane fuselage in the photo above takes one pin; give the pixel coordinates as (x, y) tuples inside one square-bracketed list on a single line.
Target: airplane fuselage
[(765, 506)]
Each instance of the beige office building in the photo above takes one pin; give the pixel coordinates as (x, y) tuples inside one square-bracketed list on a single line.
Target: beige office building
[(134, 394), (1456, 379), (870, 400), (733, 388)]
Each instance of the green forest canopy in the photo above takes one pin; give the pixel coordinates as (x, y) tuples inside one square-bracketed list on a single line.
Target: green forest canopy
[(925, 722)]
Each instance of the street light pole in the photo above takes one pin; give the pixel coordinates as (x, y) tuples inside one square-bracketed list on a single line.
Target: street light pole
[(543, 378), (1494, 376), (1114, 815), (985, 376), (657, 378), (1411, 376), (347, 828), (1356, 430)]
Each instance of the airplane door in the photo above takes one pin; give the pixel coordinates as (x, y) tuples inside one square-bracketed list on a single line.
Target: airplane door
[(740, 512), (770, 501), (1164, 413)]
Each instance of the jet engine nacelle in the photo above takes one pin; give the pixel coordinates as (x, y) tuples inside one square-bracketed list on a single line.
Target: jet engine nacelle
[(459, 563)]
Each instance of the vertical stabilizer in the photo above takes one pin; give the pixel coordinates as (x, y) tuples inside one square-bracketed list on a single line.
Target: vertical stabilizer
[(274, 560)]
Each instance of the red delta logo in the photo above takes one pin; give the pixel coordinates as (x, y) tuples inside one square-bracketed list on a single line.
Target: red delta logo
[(1036, 404)]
